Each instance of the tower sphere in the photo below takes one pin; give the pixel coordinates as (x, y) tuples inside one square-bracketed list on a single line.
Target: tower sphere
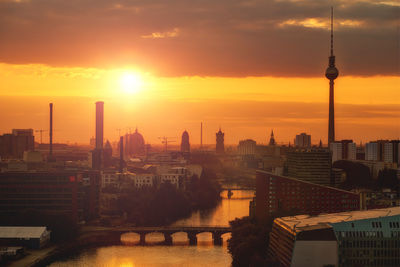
[(331, 73)]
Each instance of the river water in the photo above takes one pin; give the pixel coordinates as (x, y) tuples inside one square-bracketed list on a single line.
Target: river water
[(180, 253)]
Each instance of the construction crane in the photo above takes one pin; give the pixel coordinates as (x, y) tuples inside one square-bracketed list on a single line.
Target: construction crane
[(166, 140), (41, 131)]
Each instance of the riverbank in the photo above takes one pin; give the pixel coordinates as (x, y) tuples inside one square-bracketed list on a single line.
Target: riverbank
[(43, 257)]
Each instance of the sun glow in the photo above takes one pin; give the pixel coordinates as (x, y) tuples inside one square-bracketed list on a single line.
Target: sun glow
[(131, 82)]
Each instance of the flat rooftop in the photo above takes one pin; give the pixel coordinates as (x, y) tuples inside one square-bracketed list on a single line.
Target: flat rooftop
[(306, 222), (22, 231)]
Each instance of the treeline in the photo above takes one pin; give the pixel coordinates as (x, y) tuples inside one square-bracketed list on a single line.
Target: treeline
[(166, 204), (61, 225), (249, 241), (358, 175)]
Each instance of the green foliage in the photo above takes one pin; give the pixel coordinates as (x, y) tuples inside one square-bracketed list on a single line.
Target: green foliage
[(249, 242), (166, 204), (387, 178), (357, 174)]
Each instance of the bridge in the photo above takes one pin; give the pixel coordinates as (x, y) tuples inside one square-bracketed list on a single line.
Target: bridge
[(167, 231)]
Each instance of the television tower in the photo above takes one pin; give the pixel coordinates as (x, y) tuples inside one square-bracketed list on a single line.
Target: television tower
[(331, 73)]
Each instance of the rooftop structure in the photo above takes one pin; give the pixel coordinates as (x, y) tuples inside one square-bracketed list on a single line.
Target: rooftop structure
[(353, 238)]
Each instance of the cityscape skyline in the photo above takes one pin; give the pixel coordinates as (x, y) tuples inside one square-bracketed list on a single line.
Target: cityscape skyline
[(129, 127)]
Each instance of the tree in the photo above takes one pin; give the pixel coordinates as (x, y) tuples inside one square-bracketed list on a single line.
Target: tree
[(387, 178)]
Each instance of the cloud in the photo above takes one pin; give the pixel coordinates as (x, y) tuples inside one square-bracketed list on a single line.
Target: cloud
[(216, 38), (158, 35)]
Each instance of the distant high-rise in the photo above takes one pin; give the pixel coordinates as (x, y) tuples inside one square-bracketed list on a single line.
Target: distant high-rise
[(331, 73), (107, 154), (99, 124), (311, 165), (247, 147), (302, 140), (343, 150), (185, 145), (220, 149), (97, 153), (15, 144), (272, 139)]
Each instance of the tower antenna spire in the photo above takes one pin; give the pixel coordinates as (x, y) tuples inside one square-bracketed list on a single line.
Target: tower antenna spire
[(331, 30)]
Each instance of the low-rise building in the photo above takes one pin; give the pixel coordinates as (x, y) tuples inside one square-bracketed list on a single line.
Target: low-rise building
[(27, 236)]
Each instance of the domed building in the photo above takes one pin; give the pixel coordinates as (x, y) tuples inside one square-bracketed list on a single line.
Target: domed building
[(185, 145), (134, 144)]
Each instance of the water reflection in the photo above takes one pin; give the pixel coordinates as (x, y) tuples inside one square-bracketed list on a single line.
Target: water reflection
[(205, 253)]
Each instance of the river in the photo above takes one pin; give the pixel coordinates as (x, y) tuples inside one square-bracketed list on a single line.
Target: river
[(180, 253)]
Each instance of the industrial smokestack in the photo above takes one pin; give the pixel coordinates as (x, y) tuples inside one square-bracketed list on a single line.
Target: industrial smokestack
[(99, 124), (51, 131), (121, 153), (201, 135)]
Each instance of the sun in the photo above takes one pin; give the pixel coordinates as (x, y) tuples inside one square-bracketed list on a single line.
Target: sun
[(131, 82)]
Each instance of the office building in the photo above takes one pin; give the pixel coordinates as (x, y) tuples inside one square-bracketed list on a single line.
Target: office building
[(391, 152), (74, 193), (185, 145), (13, 145), (372, 151), (343, 150), (302, 140), (279, 193), (219, 148), (352, 238), (311, 165), (247, 147)]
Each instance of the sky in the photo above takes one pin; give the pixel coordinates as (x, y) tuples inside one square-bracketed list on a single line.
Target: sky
[(165, 66)]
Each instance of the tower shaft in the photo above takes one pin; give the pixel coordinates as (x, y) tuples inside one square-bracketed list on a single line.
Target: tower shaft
[(331, 128)]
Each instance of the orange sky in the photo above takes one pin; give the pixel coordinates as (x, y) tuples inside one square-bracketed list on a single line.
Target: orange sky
[(366, 107), (248, 66)]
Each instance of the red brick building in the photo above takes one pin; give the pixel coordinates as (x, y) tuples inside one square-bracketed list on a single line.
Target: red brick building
[(278, 193)]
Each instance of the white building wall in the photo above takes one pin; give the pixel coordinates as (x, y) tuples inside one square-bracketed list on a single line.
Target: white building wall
[(336, 149), (388, 150), (314, 253), (303, 140), (371, 151), (352, 151)]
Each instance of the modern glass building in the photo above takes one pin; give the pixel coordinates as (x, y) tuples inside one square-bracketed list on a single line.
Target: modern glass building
[(354, 238)]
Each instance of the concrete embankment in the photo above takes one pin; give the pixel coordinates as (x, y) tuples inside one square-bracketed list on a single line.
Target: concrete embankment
[(43, 257)]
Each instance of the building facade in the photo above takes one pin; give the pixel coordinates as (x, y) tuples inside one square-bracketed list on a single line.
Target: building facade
[(185, 144), (74, 193), (13, 146), (220, 148), (302, 140), (311, 165), (276, 193), (355, 238), (247, 147), (343, 150)]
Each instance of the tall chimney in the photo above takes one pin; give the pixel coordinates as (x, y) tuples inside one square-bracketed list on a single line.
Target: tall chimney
[(99, 124), (51, 131), (121, 153), (201, 135)]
